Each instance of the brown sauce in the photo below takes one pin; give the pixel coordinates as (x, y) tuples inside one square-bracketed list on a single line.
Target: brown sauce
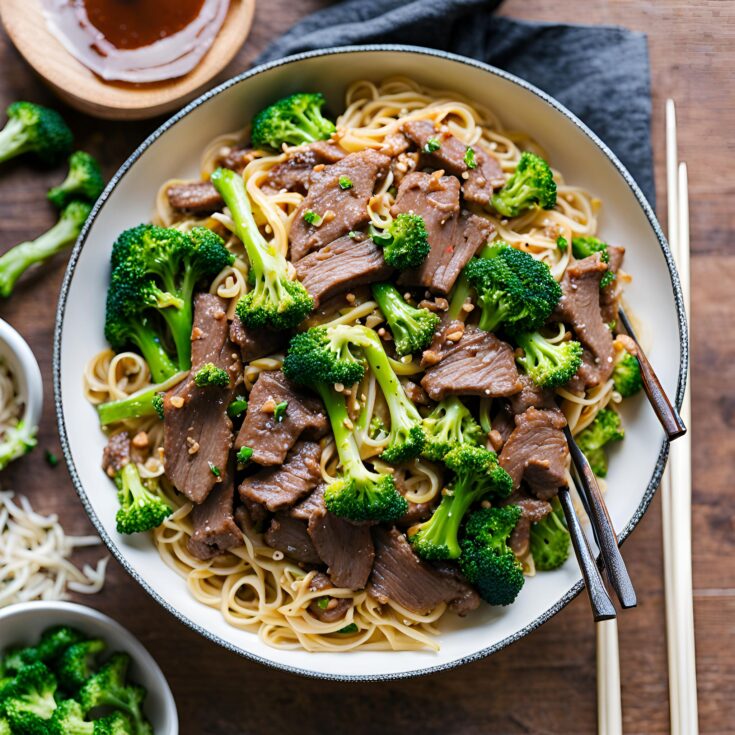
[(131, 24)]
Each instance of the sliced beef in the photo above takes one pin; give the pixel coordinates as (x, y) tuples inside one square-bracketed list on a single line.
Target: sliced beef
[(341, 266), (295, 173), (537, 452), (468, 599), (454, 237), (215, 530), (346, 549), (342, 210), (312, 503), (580, 307), (116, 453), (610, 294), (478, 182), (477, 364), (290, 536), (416, 394), (269, 439), (252, 516), (399, 576), (532, 511), (283, 486), (336, 607), (255, 343), (196, 197), (502, 427), (395, 144), (237, 158), (530, 395), (197, 432)]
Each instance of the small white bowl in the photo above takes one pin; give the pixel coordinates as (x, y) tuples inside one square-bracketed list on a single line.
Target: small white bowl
[(23, 624), (23, 365)]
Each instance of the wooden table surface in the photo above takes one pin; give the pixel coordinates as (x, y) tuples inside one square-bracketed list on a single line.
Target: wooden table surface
[(546, 682)]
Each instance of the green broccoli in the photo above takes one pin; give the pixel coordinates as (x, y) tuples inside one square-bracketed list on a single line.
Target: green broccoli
[(141, 506), (319, 359), (34, 129), (275, 301), (487, 561), (209, 375), (144, 403), (28, 699), (154, 272), (108, 688), (15, 442), (550, 539), (447, 427), (549, 364), (405, 241), (462, 291), (68, 719), (293, 120), (514, 290), (54, 641), (531, 184), (627, 376), (583, 247), (16, 261), (606, 428), (412, 328), (76, 664), (477, 475), (5, 726), (84, 181)]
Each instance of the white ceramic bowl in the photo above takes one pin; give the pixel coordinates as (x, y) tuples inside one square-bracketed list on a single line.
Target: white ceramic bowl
[(23, 624), (174, 150), (23, 365)]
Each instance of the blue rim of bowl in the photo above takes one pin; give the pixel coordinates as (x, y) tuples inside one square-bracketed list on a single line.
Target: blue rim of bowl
[(338, 50)]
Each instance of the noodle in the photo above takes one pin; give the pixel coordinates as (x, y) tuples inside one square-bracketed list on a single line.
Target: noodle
[(253, 586)]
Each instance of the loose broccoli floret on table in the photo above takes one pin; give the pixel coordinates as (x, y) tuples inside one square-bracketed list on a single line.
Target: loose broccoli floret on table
[(84, 181), (34, 129)]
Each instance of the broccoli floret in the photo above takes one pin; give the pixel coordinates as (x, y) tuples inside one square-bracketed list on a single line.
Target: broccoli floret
[(547, 364), (68, 719), (275, 300), (627, 376), (108, 688), (144, 403), (513, 290), (84, 181), (34, 129), (54, 641), (412, 328), (76, 664), (5, 726), (154, 272), (405, 241), (606, 428), (28, 699), (157, 403), (293, 120), (487, 561), (16, 261), (318, 359), (583, 247), (449, 426), (531, 184), (16, 441), (550, 539), (141, 507), (209, 375), (477, 475)]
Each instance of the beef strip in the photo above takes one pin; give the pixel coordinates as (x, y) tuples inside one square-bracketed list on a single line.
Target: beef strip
[(312, 503), (237, 158), (290, 536), (530, 395), (610, 294), (296, 172), (532, 511), (454, 237), (580, 307), (537, 452), (468, 599), (116, 453), (347, 208), (255, 343), (400, 576), (282, 486), (336, 608), (395, 144), (502, 427), (346, 549), (269, 439), (197, 432), (195, 197), (478, 182), (340, 266), (215, 530), (477, 364), (251, 515)]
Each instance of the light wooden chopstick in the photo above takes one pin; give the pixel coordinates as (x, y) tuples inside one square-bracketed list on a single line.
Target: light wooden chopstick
[(677, 483)]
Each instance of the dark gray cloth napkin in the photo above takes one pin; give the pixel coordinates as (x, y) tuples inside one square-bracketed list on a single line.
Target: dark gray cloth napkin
[(600, 73)]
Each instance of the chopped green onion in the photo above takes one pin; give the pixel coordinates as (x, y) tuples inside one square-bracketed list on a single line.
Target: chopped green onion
[(561, 243), (244, 455), (352, 234), (279, 412), (51, 459), (351, 628), (237, 407), (322, 603), (469, 158), (345, 182), (312, 218), (432, 145), (214, 469)]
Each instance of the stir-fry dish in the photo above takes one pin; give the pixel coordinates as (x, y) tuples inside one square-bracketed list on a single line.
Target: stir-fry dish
[(342, 361)]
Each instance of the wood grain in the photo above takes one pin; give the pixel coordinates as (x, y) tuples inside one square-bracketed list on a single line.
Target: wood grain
[(546, 682)]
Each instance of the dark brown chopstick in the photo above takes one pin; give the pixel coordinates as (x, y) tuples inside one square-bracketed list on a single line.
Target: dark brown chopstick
[(666, 413), (617, 572), (602, 607)]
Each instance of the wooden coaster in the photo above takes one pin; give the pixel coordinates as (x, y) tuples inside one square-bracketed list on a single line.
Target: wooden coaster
[(81, 88)]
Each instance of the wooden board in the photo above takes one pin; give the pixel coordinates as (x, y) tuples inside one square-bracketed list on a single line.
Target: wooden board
[(83, 89), (544, 684)]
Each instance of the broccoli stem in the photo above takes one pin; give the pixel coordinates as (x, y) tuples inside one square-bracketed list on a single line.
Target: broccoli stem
[(463, 290), (160, 364), (12, 139), (137, 405)]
